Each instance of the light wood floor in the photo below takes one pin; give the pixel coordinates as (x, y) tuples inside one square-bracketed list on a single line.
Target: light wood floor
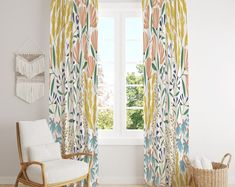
[(7, 185), (21, 185)]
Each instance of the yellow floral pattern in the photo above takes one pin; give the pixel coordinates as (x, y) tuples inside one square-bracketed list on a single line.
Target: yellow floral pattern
[(73, 77), (166, 110)]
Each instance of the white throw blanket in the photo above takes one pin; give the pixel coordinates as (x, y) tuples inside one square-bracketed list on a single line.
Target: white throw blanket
[(202, 163)]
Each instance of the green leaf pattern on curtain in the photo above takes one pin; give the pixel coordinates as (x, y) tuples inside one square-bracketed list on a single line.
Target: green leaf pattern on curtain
[(73, 77), (166, 110)]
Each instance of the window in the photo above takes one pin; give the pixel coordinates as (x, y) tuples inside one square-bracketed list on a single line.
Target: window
[(120, 72), (134, 73), (106, 73)]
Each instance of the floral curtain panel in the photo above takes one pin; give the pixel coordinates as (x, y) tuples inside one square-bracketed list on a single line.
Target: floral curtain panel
[(166, 92), (73, 77)]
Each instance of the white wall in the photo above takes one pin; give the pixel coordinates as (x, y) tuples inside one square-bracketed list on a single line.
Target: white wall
[(19, 21), (121, 164), (211, 26), (212, 62)]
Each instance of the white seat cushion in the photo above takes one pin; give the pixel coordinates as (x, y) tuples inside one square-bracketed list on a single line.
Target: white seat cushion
[(44, 152), (57, 171)]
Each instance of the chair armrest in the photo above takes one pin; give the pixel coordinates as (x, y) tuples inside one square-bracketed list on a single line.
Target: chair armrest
[(25, 165)]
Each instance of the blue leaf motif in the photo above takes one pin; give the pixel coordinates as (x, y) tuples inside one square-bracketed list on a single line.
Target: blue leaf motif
[(179, 145), (182, 165), (184, 126), (178, 130), (186, 147)]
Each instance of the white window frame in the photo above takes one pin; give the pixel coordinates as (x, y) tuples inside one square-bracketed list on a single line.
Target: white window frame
[(120, 135)]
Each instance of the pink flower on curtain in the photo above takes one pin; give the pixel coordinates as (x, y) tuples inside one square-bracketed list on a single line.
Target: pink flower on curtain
[(82, 15), (146, 41), (155, 17), (76, 51), (161, 52), (94, 39), (146, 18), (84, 45), (154, 2), (93, 20), (78, 2), (160, 2), (91, 65), (154, 46), (148, 65)]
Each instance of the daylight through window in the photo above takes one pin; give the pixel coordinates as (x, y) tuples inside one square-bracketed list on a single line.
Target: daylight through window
[(120, 72)]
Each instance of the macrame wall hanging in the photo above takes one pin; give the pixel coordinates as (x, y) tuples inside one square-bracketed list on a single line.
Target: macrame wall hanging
[(30, 72)]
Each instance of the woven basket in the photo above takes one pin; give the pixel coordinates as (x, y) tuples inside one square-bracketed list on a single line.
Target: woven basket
[(218, 177)]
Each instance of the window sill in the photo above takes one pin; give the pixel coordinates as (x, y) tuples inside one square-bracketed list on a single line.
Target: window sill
[(121, 141)]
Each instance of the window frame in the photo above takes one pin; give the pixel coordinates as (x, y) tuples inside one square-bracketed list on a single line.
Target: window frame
[(120, 135)]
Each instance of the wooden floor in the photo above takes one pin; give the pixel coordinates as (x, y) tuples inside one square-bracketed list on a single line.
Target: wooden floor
[(21, 185), (7, 185)]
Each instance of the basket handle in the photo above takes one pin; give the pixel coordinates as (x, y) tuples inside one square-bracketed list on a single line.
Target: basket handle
[(229, 156)]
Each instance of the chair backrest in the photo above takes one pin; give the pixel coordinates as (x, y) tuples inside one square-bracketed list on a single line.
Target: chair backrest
[(30, 133)]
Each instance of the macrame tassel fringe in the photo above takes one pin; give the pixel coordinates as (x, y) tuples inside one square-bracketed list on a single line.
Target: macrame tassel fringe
[(30, 90), (30, 68)]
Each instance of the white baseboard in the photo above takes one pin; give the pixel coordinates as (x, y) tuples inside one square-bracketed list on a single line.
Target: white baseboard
[(137, 180), (101, 180), (121, 180), (231, 180), (7, 180), (106, 180)]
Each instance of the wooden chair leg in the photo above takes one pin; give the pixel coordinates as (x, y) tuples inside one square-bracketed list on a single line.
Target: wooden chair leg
[(88, 180), (16, 183), (17, 179)]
